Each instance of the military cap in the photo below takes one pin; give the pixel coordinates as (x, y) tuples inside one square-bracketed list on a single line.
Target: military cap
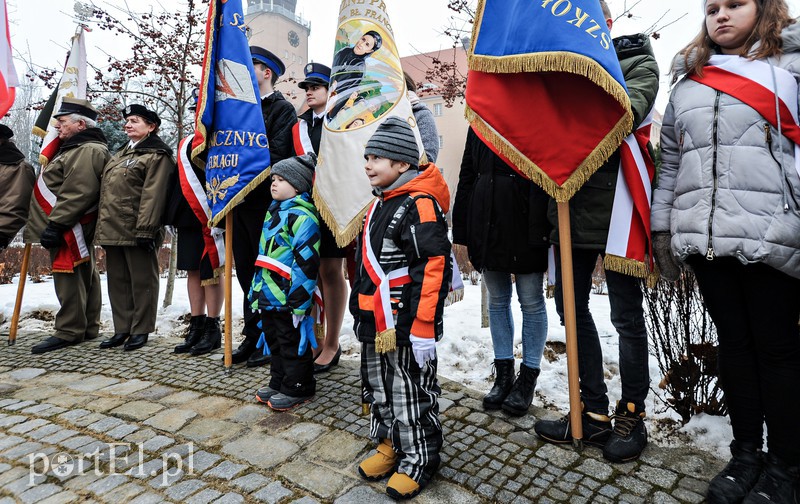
[(261, 55), (5, 132), (143, 112), (316, 74), (76, 106)]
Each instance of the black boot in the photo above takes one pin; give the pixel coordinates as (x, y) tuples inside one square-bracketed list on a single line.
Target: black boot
[(245, 350), (212, 338), (521, 396), (629, 437), (196, 325), (503, 381), (779, 483), (738, 477)]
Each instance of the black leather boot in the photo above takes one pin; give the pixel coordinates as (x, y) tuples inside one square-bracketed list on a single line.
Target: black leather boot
[(212, 338), (503, 381), (115, 341), (135, 342), (245, 350), (739, 476), (521, 396), (196, 327)]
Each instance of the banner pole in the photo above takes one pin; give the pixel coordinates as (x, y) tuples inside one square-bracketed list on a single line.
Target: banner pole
[(568, 293), (228, 296), (23, 275)]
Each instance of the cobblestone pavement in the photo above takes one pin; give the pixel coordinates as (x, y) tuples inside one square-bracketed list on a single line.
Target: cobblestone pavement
[(149, 427)]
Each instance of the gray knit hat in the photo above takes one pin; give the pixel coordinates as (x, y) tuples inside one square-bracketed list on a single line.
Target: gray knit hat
[(394, 140), (298, 171)]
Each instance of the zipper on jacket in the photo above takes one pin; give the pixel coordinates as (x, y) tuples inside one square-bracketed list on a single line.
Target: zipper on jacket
[(768, 138), (715, 139), (414, 237)]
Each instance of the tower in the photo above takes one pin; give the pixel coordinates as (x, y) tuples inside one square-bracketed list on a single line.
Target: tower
[(273, 25)]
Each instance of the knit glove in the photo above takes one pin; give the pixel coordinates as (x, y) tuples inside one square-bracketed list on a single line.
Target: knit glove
[(52, 235), (668, 266), (262, 342), (306, 326), (146, 244), (424, 349)]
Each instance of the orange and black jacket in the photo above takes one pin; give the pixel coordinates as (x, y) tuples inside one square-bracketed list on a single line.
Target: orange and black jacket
[(419, 241)]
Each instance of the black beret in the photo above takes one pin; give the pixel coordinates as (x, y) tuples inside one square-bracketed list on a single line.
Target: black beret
[(143, 112)]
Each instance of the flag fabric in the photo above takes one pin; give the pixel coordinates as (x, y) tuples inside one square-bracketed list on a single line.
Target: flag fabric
[(545, 89), (72, 85), (229, 124), (753, 83), (629, 248), (366, 87), (8, 74), (212, 261)]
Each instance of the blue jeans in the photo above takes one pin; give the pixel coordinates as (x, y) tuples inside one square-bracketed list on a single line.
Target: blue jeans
[(534, 315), (627, 315)]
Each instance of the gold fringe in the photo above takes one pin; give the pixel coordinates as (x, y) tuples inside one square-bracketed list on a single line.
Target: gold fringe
[(39, 132), (386, 341), (319, 332), (631, 267), (556, 61), (365, 409), (350, 232), (43, 160), (215, 279), (240, 196), (586, 169)]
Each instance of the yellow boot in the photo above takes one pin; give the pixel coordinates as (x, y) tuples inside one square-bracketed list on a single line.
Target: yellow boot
[(400, 486), (379, 465)]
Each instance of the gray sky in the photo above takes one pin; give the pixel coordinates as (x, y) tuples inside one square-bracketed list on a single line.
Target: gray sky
[(42, 28)]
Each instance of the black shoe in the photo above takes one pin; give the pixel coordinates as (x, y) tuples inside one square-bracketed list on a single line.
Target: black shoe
[(258, 359), (596, 429), (739, 476), (212, 338), (778, 483), (196, 326), (244, 351), (521, 396), (324, 368), (49, 344), (136, 341), (503, 381), (629, 436), (114, 341)]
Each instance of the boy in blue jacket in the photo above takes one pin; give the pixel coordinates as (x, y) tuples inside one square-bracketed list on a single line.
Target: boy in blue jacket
[(284, 283)]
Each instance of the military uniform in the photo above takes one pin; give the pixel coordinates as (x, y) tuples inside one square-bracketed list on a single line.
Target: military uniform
[(73, 177), (16, 178)]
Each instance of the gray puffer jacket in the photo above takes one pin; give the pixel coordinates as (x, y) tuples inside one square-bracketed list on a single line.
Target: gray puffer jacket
[(722, 191)]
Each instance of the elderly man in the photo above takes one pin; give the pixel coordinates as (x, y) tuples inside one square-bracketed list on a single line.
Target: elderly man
[(62, 218)]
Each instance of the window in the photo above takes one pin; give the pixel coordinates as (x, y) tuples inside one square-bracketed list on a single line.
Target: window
[(286, 54), (441, 141), (437, 109)]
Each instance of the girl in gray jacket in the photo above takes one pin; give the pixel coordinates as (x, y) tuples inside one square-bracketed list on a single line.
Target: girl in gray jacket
[(728, 205)]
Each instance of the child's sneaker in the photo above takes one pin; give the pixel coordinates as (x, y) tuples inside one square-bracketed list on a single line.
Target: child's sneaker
[(283, 402), (596, 429), (400, 486), (629, 437), (379, 465), (265, 393)]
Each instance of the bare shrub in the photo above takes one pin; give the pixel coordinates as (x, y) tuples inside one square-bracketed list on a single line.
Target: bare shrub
[(684, 341)]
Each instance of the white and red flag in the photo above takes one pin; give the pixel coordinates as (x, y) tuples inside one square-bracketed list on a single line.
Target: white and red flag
[(8, 74), (72, 85)]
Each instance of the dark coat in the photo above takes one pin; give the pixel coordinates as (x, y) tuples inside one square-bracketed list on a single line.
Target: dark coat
[(499, 215), (279, 117), (590, 208), (178, 212)]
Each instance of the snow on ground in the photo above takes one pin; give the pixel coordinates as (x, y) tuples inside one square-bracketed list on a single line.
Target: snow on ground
[(465, 353)]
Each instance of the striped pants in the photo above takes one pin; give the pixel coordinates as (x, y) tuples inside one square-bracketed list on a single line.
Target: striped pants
[(404, 408)]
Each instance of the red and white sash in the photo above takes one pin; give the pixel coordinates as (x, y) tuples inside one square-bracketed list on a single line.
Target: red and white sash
[(195, 194), (751, 82), (300, 138), (628, 249), (74, 251), (382, 308)]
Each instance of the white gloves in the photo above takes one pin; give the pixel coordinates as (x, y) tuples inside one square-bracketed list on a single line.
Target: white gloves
[(424, 349)]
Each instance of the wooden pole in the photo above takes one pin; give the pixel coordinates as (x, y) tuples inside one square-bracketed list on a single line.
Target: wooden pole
[(23, 275), (568, 293), (228, 296)]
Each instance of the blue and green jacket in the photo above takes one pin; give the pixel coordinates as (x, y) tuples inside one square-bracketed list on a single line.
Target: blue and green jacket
[(288, 257)]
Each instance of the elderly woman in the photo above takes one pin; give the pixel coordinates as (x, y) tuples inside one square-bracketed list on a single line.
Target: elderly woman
[(133, 195)]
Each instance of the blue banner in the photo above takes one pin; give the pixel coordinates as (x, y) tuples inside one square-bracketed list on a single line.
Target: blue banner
[(229, 125)]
